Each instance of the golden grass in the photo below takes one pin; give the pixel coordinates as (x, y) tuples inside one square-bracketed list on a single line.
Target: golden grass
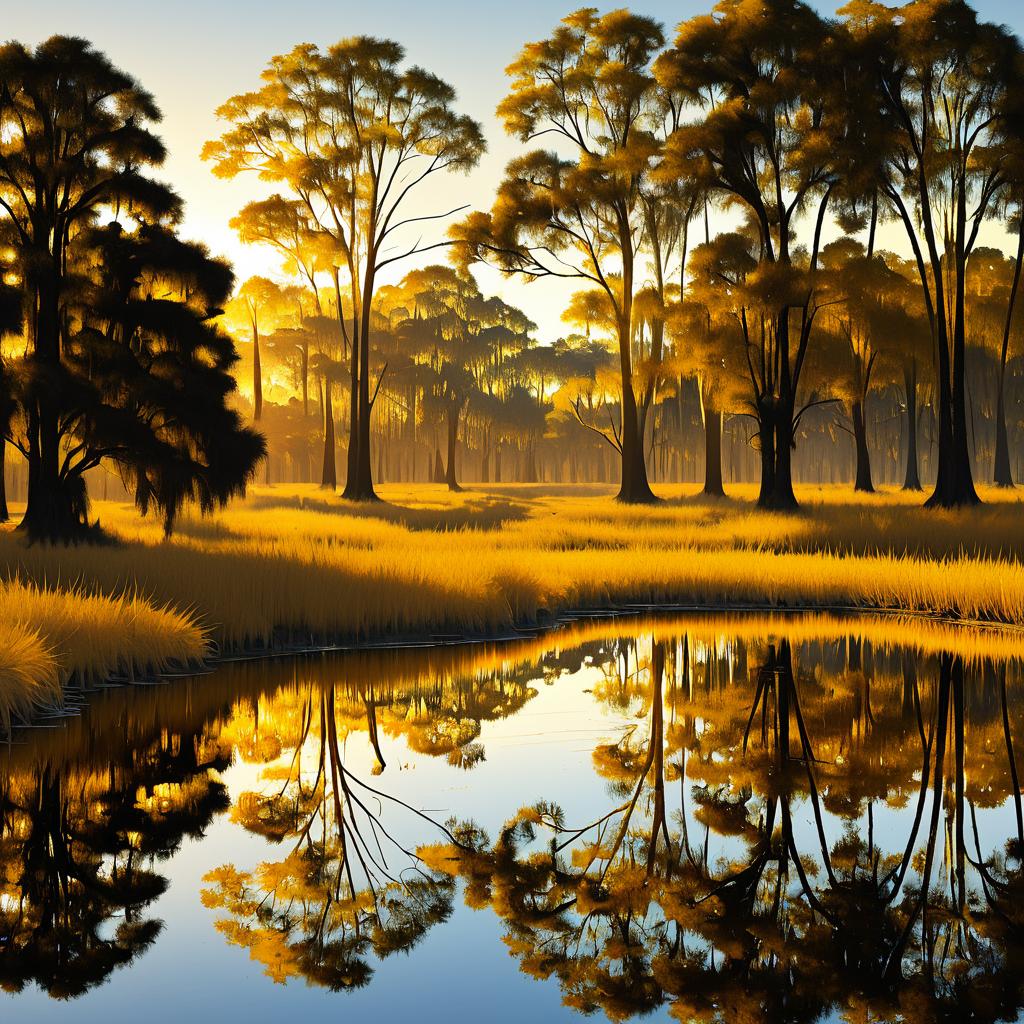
[(51, 635), (296, 564), (29, 675)]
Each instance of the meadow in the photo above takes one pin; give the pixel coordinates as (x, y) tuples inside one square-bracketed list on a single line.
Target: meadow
[(295, 566)]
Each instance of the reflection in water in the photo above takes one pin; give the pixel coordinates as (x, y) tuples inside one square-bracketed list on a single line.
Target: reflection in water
[(78, 854), (800, 821)]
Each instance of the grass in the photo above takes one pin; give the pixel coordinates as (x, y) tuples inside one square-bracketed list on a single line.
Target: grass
[(293, 565), (53, 636)]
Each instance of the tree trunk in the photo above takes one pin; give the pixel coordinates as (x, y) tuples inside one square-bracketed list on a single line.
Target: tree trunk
[(352, 456), (305, 380), (766, 443), (634, 487), (912, 481), (257, 374), (860, 438), (530, 475), (1003, 473), (360, 486), (453, 438), (57, 508), (329, 474), (713, 487), (4, 513), (954, 483), (782, 495), (485, 459)]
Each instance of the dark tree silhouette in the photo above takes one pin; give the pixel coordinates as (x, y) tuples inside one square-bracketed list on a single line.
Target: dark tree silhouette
[(74, 152)]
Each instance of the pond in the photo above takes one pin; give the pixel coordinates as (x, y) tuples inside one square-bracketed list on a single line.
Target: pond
[(695, 818)]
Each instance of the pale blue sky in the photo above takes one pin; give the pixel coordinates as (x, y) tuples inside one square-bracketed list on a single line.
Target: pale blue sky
[(192, 55)]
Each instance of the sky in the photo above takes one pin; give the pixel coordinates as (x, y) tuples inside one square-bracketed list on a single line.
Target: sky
[(193, 54)]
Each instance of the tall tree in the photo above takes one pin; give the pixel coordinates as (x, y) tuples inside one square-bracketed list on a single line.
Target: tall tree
[(73, 141), (582, 217), (931, 83), (755, 71), (354, 135), (75, 149)]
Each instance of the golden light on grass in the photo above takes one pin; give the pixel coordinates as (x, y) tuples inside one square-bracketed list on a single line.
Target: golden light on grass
[(29, 675), (54, 635), (293, 565)]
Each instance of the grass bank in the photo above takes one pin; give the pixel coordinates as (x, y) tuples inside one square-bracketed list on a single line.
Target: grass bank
[(293, 565), (53, 637)]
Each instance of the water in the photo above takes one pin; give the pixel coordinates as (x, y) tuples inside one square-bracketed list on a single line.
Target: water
[(743, 811)]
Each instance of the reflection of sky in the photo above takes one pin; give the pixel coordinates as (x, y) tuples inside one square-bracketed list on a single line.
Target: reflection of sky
[(461, 969), (193, 54)]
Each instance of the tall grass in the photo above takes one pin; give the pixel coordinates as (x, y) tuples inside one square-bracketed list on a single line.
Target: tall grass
[(51, 636), (293, 565), (29, 675)]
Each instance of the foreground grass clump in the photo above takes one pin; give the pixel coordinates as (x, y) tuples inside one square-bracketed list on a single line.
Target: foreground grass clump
[(298, 565), (52, 636), (29, 674)]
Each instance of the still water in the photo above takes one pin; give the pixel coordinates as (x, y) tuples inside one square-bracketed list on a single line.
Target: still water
[(682, 819)]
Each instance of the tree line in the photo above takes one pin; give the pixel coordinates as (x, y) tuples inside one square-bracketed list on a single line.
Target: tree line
[(794, 309), (810, 138)]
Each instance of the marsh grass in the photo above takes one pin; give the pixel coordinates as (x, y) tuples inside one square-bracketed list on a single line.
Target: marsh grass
[(296, 565), (53, 636), (29, 674)]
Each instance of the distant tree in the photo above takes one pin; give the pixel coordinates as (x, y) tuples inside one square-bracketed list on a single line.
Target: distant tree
[(442, 331), (867, 314), (709, 343), (259, 303)]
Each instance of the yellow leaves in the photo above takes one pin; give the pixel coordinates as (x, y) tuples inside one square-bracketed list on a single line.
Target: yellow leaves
[(443, 858)]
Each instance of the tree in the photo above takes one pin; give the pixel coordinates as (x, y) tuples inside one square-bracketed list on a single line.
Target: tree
[(757, 70), (590, 85), (147, 374), (354, 136), (993, 323), (442, 330), (259, 303), (707, 330), (73, 142), (934, 82)]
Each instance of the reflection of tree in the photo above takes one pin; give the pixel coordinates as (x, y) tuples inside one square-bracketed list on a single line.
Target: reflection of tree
[(774, 895), (77, 851), (338, 894)]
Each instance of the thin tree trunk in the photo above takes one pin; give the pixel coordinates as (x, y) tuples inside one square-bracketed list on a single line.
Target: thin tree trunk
[(1003, 473), (453, 437), (56, 508), (257, 373), (4, 513), (912, 480), (329, 475)]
